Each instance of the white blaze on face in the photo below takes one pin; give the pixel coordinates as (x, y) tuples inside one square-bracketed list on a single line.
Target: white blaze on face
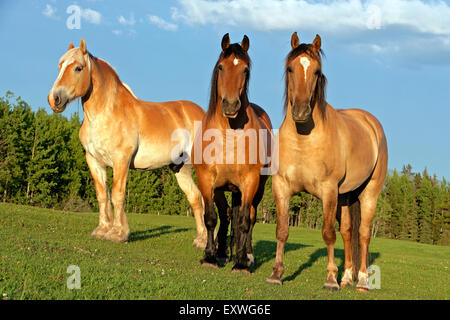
[(305, 63), (235, 61), (63, 68)]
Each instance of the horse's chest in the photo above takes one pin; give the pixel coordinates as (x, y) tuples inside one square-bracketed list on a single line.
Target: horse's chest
[(305, 168), (97, 144)]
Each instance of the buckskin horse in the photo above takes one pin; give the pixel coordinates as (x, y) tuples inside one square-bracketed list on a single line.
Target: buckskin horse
[(339, 156), (229, 163), (121, 131)]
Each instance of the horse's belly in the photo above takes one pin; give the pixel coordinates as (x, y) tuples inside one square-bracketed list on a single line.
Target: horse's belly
[(152, 156), (358, 170)]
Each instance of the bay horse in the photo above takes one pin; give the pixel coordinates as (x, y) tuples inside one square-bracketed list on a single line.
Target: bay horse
[(231, 117), (339, 156), (121, 131)]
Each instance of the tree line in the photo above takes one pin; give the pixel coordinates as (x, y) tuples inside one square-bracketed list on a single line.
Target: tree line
[(42, 163)]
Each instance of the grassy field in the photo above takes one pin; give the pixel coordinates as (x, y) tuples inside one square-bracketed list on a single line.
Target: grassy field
[(159, 262)]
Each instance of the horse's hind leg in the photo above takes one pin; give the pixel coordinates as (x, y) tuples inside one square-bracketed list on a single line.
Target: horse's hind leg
[(120, 230), (98, 172), (368, 202), (194, 197), (224, 215)]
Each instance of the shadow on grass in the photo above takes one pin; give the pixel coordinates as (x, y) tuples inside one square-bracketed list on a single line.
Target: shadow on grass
[(339, 254), (265, 251), (154, 232)]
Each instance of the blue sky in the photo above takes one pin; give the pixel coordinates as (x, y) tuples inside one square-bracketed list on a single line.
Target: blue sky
[(391, 58)]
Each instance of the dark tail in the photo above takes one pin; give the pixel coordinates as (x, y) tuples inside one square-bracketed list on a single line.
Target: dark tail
[(355, 215)]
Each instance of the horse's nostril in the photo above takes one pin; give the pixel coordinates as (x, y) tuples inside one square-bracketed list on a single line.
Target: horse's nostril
[(57, 100)]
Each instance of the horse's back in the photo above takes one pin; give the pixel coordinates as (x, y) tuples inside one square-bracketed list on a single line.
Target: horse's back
[(358, 118)]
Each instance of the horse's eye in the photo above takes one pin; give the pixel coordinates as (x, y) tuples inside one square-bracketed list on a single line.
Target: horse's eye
[(246, 70), (78, 68), (220, 67), (289, 69)]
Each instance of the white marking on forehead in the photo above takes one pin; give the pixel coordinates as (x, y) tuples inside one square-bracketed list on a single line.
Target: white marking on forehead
[(305, 63), (235, 61), (63, 68), (71, 56)]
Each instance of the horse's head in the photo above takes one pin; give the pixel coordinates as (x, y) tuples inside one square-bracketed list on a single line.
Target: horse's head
[(232, 72), (74, 77), (305, 83)]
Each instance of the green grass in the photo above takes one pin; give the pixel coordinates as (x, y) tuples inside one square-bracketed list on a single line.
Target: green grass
[(159, 262)]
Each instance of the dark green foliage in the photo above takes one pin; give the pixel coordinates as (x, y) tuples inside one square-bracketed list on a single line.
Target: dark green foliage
[(42, 163)]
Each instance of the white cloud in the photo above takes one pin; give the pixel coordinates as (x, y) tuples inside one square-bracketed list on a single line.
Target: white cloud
[(162, 24), (330, 16), (91, 16), (49, 11), (379, 27), (127, 22), (117, 32)]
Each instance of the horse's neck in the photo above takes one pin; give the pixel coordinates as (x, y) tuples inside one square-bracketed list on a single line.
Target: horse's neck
[(102, 94)]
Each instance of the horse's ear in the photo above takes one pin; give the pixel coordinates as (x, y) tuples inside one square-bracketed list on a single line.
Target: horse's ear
[(294, 40), (225, 42), (317, 43), (71, 46), (83, 46), (245, 44)]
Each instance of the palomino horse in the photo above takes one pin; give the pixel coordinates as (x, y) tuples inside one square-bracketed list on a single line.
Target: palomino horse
[(231, 118), (122, 131), (339, 156)]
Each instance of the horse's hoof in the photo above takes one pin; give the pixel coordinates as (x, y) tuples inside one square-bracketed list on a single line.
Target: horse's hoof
[(238, 268), (274, 280), (362, 289), (116, 236), (99, 233), (332, 286), (209, 264), (241, 270)]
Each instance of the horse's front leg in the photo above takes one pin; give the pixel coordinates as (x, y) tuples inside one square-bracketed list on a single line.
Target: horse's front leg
[(120, 230), (98, 172), (194, 197), (244, 223), (282, 194), (329, 199), (222, 235), (205, 183)]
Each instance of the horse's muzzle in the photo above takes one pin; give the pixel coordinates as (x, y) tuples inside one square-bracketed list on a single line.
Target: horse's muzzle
[(301, 114), (58, 100), (231, 109)]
